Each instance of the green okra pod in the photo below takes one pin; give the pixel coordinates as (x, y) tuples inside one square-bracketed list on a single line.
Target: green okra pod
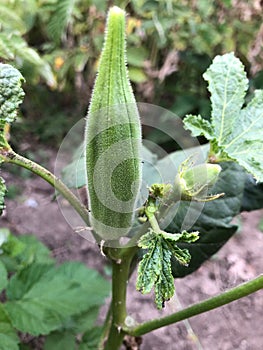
[(113, 138)]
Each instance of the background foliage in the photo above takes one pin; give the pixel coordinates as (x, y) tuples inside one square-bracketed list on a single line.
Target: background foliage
[(56, 46)]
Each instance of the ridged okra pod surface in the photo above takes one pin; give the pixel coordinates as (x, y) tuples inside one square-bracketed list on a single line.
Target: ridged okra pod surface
[(113, 138)]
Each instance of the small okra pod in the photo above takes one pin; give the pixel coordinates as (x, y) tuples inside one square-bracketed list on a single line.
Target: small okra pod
[(113, 138)]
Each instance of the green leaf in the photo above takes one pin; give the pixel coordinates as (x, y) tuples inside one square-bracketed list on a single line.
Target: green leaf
[(151, 265), (32, 58), (137, 75), (199, 126), (6, 51), (2, 194), (10, 20), (60, 341), (236, 133), (18, 252), (253, 195), (228, 85), (7, 342), (245, 144), (84, 321), (8, 337), (136, 56), (11, 92), (90, 339), (43, 298), (155, 267), (3, 277), (34, 251), (60, 18)]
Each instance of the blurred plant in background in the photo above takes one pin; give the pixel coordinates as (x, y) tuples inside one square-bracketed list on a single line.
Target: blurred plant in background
[(56, 45)]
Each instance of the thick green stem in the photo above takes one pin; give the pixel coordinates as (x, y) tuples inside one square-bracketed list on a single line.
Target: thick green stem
[(120, 276), (204, 306), (10, 156)]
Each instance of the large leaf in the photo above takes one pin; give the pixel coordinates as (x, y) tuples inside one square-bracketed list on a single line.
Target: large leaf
[(253, 195), (213, 221), (235, 133), (8, 337), (43, 298), (90, 339), (60, 341)]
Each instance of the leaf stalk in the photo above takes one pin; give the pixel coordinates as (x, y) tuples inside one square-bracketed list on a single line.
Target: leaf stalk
[(224, 298)]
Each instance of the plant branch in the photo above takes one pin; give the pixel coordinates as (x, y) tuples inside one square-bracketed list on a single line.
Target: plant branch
[(10, 156), (196, 309)]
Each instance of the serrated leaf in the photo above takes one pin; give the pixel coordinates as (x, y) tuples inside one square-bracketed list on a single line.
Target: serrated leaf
[(155, 267), (8, 337), (236, 133), (198, 126), (50, 296), (84, 321), (228, 84), (7, 342), (11, 92), (3, 277), (60, 18), (151, 265), (34, 251), (2, 194), (60, 341), (90, 339), (18, 252), (245, 144)]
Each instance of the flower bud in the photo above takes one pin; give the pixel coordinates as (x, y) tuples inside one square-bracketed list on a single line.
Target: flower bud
[(195, 182)]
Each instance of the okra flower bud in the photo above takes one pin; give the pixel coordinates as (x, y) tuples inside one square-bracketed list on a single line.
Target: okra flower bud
[(113, 138), (195, 182)]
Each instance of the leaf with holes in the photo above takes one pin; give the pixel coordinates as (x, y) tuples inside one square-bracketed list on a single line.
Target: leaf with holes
[(155, 267)]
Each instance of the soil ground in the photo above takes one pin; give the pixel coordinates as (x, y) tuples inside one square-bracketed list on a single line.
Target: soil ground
[(236, 326)]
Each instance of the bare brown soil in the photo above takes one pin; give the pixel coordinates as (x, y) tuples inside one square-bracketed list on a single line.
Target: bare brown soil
[(236, 326)]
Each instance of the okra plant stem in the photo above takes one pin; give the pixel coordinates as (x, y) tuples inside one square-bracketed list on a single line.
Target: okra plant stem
[(9, 156), (120, 277), (199, 308)]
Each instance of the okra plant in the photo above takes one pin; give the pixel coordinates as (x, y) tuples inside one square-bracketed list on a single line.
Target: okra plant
[(129, 230)]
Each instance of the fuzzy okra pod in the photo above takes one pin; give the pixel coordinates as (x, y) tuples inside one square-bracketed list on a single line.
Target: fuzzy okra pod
[(113, 138)]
